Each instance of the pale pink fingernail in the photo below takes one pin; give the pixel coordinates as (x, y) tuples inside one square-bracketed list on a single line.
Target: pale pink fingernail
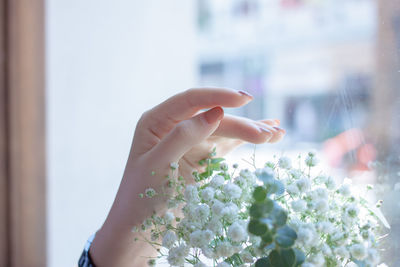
[(265, 130), (279, 129), (245, 93), (213, 115)]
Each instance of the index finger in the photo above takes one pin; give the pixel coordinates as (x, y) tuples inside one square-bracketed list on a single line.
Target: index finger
[(162, 118)]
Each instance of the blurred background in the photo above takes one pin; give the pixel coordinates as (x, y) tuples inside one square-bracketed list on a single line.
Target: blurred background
[(328, 69)]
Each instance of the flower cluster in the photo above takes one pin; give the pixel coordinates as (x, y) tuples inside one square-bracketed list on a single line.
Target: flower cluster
[(333, 225), (277, 215)]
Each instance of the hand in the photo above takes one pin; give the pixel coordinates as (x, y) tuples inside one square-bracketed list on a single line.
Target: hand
[(174, 131)]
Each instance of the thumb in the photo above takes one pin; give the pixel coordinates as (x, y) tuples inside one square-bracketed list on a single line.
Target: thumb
[(186, 134)]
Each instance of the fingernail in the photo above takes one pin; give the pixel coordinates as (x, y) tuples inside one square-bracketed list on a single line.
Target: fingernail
[(265, 130), (245, 93), (279, 129), (214, 115)]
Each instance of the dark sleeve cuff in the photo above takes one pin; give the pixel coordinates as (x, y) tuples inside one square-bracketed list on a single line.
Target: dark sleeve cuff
[(85, 260)]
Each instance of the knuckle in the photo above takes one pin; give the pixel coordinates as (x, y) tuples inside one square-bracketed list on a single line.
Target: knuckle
[(190, 90), (182, 130), (145, 117), (189, 96)]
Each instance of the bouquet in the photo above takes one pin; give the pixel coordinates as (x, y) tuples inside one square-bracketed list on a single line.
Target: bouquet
[(277, 215)]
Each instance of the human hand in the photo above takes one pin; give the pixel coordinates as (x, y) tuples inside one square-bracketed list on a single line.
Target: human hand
[(174, 131)]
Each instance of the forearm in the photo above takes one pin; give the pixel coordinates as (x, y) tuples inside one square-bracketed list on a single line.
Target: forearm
[(114, 244)]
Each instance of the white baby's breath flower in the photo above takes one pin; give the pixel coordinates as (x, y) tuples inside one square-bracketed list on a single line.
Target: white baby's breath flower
[(154, 236), (246, 256), (217, 181), (200, 264), (295, 173), (330, 183), (345, 190), (169, 217), (208, 252), (147, 223), (207, 194), (303, 184), (339, 238), (342, 252), (151, 262), (237, 233), (223, 264), (224, 249), (317, 259), (230, 212), (240, 181), (232, 191), (285, 163), (311, 161), (305, 236), (216, 226), (172, 203), (321, 193), (321, 205), (189, 210), (292, 189), (326, 250), (265, 174), (200, 238), (150, 192), (217, 207), (191, 194), (352, 210), (358, 251), (176, 255), (174, 165), (202, 212), (326, 227), (299, 205), (249, 176), (169, 239)]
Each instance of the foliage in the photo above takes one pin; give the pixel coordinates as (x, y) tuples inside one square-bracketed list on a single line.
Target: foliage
[(277, 215)]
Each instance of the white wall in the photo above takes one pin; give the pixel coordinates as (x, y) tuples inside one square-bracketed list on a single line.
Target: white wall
[(107, 62)]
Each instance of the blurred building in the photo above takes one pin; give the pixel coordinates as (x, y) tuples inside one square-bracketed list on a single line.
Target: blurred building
[(309, 63)]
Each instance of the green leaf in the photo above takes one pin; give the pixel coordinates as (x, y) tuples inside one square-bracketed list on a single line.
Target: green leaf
[(257, 228), (285, 237), (235, 260), (202, 162), (275, 187), (276, 259), (288, 257), (203, 176), (279, 215), (213, 152), (267, 238), (258, 210), (263, 262), (300, 256), (216, 160), (260, 193), (359, 263)]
